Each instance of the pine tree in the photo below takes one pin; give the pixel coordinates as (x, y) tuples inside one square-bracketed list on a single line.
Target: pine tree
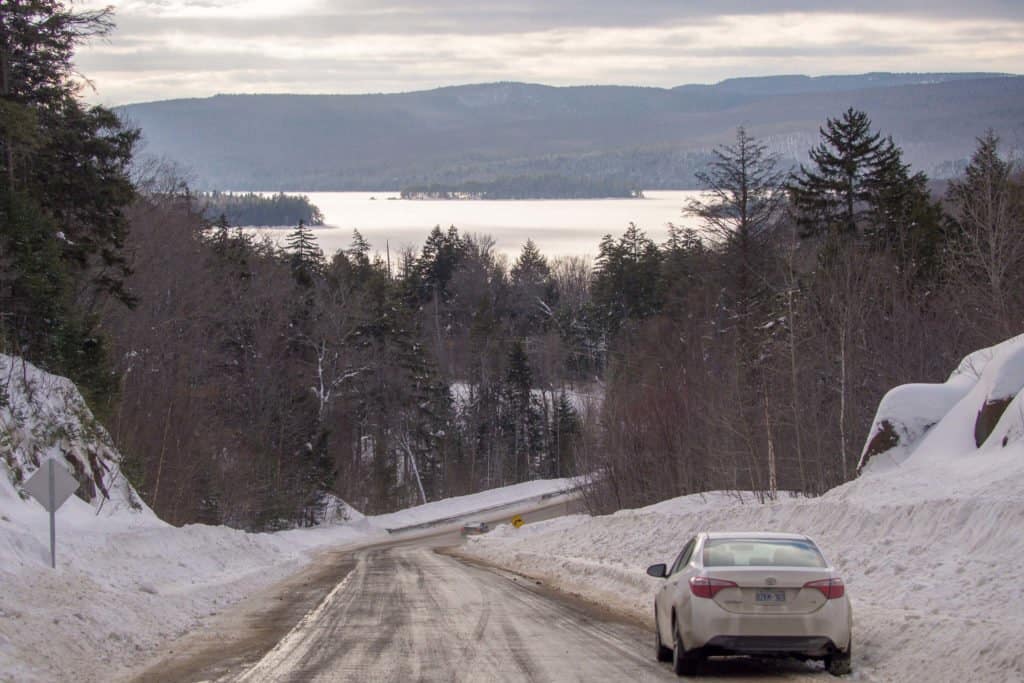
[(523, 419), (683, 255), (306, 257), (986, 250), (565, 431), (905, 221), (441, 256), (532, 292), (530, 268), (65, 186), (745, 192), (849, 166), (626, 279), (359, 250)]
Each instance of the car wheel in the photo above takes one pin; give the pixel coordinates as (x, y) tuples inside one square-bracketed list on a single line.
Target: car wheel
[(662, 653), (683, 663), (838, 663)]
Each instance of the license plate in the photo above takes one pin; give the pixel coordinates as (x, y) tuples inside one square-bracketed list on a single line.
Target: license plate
[(770, 596)]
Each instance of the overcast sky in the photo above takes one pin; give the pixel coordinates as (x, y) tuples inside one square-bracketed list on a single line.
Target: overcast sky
[(165, 49)]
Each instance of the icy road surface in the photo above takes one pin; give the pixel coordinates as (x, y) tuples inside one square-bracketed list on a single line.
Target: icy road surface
[(411, 614), (407, 610)]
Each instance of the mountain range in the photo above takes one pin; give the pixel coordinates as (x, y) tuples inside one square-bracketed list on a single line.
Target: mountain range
[(652, 138)]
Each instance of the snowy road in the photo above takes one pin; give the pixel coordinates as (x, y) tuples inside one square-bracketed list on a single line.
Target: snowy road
[(411, 614), (407, 610)]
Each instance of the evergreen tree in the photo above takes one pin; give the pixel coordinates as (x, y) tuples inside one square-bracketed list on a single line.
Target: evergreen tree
[(34, 288), (745, 191), (532, 291), (306, 257), (64, 184), (442, 253), (683, 263), (530, 268), (359, 250), (906, 222), (849, 167), (986, 237), (523, 419), (565, 431), (626, 279)]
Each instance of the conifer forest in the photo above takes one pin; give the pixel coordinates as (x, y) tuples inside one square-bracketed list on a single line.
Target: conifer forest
[(255, 383)]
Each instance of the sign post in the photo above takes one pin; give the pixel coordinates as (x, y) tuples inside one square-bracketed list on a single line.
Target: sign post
[(51, 485)]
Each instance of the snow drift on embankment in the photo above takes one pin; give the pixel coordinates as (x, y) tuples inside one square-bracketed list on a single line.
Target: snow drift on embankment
[(929, 538)]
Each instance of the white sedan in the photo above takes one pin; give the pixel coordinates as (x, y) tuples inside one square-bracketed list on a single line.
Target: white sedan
[(751, 594)]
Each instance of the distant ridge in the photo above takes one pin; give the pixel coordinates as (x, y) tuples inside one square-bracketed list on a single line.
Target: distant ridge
[(636, 136)]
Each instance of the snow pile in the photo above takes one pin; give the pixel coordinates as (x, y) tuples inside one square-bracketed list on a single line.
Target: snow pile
[(928, 541), (986, 381)]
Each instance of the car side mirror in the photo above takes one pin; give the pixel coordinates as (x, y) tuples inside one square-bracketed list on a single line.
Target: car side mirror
[(658, 571)]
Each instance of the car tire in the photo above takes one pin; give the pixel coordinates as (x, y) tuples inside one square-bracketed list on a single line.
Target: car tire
[(838, 663), (684, 663), (662, 653)]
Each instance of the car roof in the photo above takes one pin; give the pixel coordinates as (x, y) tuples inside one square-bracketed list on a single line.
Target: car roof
[(767, 535)]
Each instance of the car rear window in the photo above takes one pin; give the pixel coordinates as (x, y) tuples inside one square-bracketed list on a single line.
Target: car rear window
[(761, 552)]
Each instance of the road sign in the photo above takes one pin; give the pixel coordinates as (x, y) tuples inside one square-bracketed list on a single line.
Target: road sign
[(517, 521), (51, 485), (51, 496)]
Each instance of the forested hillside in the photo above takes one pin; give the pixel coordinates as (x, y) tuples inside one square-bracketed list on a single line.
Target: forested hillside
[(647, 138), (253, 384)]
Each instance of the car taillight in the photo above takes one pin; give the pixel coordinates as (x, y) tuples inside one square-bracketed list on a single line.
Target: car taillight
[(830, 588), (706, 587)]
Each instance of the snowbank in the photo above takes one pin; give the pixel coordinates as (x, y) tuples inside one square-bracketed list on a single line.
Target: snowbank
[(984, 382), (452, 508), (929, 548)]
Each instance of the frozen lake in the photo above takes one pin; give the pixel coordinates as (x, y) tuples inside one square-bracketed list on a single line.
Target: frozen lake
[(558, 227)]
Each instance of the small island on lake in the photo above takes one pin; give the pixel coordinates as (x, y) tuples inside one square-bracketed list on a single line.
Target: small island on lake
[(260, 210), (526, 187)]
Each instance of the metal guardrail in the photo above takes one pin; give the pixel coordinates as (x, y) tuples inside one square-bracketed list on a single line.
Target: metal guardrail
[(493, 508)]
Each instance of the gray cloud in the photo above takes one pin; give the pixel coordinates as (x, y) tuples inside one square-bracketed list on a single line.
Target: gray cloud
[(485, 17), (174, 48)]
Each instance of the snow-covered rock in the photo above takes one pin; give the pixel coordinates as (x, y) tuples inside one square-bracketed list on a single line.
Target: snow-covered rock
[(984, 384), (41, 416)]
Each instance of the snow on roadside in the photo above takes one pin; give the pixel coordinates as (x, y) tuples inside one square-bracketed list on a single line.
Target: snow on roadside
[(468, 505), (929, 548), (127, 583)]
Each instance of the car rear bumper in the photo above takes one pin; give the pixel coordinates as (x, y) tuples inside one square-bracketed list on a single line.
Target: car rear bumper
[(812, 646), (815, 634)]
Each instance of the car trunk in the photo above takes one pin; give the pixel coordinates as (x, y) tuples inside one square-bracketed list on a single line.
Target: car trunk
[(770, 590)]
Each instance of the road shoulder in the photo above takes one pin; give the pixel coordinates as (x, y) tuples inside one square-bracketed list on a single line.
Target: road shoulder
[(574, 601), (238, 637)]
